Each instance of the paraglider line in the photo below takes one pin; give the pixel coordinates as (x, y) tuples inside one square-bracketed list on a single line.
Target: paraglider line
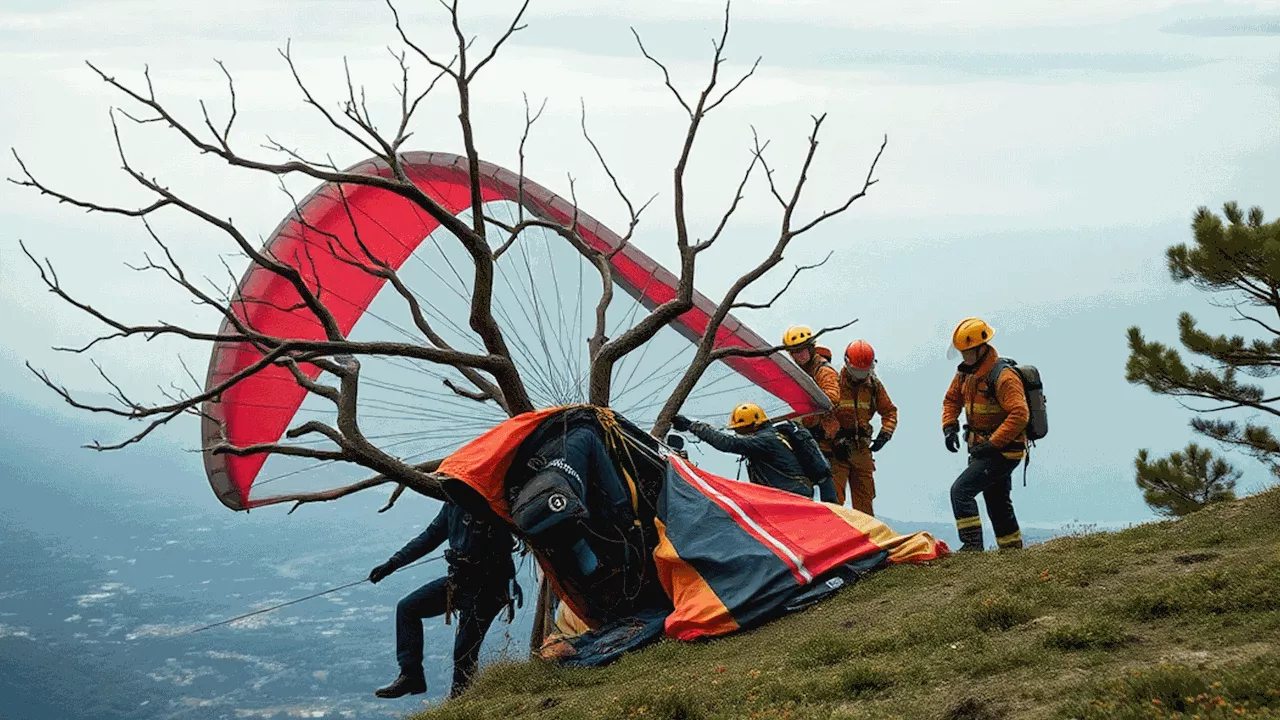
[(628, 319), (536, 371), (578, 338), (531, 292), (323, 463), (301, 599), (628, 387)]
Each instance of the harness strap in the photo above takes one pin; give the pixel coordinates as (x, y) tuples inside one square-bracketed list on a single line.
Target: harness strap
[(618, 443), (799, 478)]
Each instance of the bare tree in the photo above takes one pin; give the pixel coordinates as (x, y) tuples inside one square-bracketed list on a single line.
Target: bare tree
[(492, 375)]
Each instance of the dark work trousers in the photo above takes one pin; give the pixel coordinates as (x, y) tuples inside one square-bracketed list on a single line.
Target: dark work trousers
[(476, 609), (993, 477)]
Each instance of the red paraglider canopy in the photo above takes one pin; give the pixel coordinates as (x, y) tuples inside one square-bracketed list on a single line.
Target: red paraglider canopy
[(259, 409)]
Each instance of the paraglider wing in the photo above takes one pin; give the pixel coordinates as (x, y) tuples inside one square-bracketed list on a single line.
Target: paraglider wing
[(326, 239)]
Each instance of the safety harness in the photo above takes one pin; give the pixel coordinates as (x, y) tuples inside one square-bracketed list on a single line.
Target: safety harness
[(992, 378)]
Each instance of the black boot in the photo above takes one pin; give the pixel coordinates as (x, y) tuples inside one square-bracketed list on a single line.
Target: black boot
[(971, 538), (408, 683)]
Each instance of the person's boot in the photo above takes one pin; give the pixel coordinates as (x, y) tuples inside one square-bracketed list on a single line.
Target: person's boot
[(1012, 541), (409, 683), (970, 537)]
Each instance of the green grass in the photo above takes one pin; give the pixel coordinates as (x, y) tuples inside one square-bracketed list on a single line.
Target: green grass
[(1167, 620)]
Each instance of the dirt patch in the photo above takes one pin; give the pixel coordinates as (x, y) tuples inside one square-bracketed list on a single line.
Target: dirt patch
[(1189, 658), (1193, 558), (974, 708)]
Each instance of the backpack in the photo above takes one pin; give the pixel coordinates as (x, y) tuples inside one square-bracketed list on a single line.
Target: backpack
[(1038, 423), (812, 462)]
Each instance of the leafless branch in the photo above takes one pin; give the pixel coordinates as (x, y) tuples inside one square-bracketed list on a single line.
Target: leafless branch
[(659, 317), (778, 295), (666, 75), (514, 28), (300, 499), (395, 495), (477, 395), (733, 206), (726, 352), (866, 185)]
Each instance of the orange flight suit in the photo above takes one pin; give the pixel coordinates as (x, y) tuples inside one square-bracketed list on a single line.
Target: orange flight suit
[(860, 400)]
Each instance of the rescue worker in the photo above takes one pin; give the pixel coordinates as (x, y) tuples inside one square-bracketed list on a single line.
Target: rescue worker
[(996, 416), (862, 396), (480, 583), (816, 361), (770, 458)]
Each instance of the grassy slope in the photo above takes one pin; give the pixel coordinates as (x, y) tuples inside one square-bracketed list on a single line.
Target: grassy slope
[(1131, 624)]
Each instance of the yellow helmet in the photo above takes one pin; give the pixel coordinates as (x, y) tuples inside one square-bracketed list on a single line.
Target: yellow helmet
[(797, 335), (747, 415), (970, 333)]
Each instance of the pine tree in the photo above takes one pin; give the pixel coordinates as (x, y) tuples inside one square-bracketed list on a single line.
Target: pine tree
[(1185, 481), (1237, 261)]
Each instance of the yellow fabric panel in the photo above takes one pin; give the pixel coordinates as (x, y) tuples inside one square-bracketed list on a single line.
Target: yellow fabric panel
[(902, 548), (696, 604), (968, 522), (568, 623), (566, 627)]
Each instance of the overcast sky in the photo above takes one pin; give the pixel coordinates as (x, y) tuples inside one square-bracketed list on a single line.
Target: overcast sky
[(1041, 156)]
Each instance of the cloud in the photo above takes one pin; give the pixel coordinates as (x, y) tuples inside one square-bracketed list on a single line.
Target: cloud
[(1232, 26), (1036, 51)]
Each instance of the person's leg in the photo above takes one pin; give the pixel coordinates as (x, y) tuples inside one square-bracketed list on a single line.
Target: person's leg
[(840, 471), (427, 601), (965, 507), (999, 501), (473, 624), (862, 483)]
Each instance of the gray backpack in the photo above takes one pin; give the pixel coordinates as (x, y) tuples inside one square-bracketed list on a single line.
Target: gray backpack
[(1038, 424)]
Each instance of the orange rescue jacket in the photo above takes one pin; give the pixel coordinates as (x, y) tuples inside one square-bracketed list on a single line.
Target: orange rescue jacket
[(997, 416), (828, 380), (860, 400)]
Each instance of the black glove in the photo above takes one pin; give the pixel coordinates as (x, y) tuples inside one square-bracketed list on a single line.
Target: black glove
[(879, 442), (681, 423), (817, 432), (984, 450), (952, 437), (841, 450), (380, 573), (517, 593)]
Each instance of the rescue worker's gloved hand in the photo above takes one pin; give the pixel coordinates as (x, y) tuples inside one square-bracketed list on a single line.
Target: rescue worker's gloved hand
[(681, 423), (381, 572), (984, 450), (517, 593), (841, 450), (880, 441), (952, 437)]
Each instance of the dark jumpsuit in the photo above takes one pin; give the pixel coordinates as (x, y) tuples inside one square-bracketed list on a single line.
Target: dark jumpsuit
[(480, 573), (770, 461)]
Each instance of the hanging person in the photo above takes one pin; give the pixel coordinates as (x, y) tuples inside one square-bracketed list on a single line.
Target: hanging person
[(479, 584), (771, 456), (996, 416), (862, 397)]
